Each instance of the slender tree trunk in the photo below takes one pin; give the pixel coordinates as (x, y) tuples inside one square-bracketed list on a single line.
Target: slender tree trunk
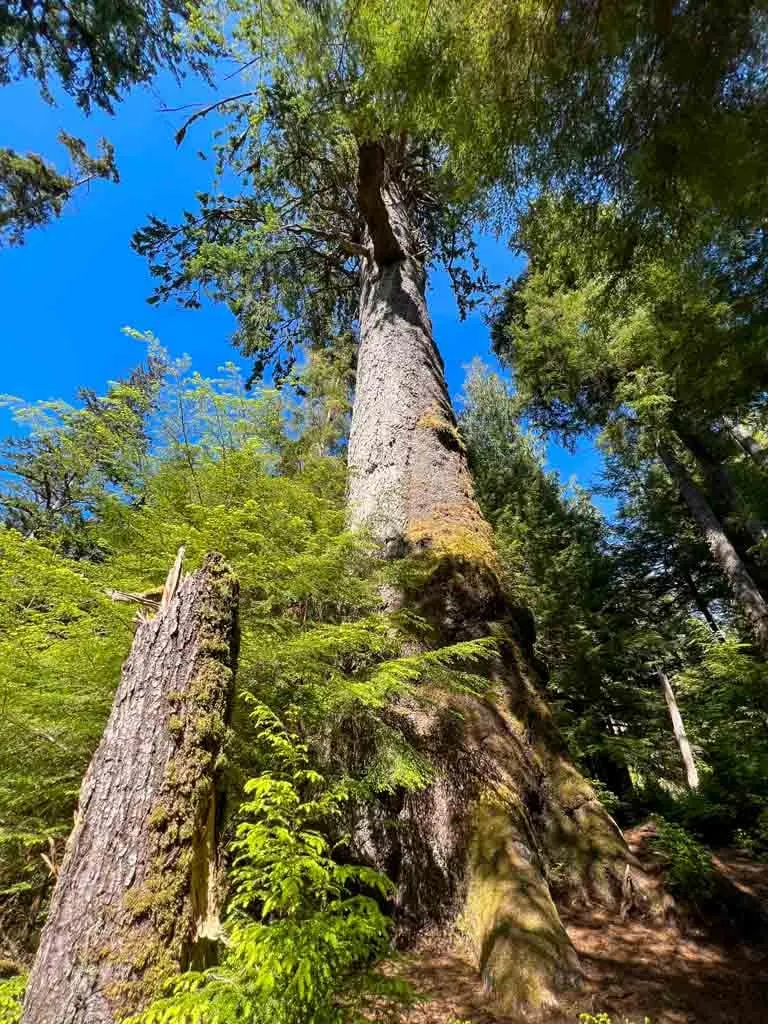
[(136, 894), (745, 590), (748, 444), (691, 772), (726, 499), (701, 604), (506, 813)]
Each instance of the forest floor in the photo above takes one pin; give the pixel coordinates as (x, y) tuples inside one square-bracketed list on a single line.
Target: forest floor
[(674, 971)]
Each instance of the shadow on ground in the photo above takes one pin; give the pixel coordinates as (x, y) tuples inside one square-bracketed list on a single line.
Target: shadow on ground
[(671, 972)]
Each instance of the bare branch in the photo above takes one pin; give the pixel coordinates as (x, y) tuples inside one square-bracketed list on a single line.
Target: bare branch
[(346, 245), (205, 111)]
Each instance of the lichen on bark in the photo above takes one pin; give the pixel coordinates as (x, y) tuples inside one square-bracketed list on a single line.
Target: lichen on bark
[(506, 813), (137, 885), (177, 897)]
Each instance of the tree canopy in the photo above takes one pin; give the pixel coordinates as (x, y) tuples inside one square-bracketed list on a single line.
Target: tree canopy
[(283, 251), (424, 731), (616, 103), (94, 51)]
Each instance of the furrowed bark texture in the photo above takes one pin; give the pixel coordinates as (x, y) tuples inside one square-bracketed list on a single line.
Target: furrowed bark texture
[(686, 754), (136, 894), (507, 820), (745, 591), (409, 480)]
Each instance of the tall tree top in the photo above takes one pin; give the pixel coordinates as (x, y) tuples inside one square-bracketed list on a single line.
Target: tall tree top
[(95, 50), (308, 150), (619, 100)]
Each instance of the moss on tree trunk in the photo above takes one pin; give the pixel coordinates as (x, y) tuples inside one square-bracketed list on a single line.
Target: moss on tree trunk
[(507, 821), (136, 894)]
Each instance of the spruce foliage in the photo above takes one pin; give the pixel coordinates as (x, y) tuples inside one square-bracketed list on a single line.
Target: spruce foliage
[(616, 602), (209, 465)]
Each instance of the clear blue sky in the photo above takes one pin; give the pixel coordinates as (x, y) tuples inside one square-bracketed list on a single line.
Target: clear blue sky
[(68, 291)]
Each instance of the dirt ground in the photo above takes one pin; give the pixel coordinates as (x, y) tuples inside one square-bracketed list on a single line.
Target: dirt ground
[(670, 972)]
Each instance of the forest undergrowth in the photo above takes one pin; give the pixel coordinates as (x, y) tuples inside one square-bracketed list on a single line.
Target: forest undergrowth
[(320, 659), (497, 748)]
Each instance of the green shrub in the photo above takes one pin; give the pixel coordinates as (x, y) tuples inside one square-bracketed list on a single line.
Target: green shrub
[(689, 870), (610, 801), (604, 1018), (302, 931), (11, 995), (754, 841)]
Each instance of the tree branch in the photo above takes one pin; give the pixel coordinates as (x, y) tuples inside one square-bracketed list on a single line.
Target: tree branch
[(206, 110), (344, 243)]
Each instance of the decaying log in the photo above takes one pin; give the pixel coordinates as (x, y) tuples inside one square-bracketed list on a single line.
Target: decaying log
[(136, 898)]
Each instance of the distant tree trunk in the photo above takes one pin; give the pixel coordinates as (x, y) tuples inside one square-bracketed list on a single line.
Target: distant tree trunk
[(700, 603), (506, 812), (691, 772), (745, 590), (748, 444), (748, 531), (136, 894)]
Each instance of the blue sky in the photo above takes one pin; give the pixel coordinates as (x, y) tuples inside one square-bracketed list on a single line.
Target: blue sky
[(68, 291)]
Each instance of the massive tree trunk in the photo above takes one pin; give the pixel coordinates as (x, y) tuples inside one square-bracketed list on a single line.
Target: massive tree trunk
[(745, 590), (409, 480), (507, 819), (691, 772), (136, 895)]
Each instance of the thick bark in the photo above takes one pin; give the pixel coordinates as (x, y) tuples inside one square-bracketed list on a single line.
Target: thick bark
[(745, 590), (136, 897), (409, 479), (691, 772), (507, 818), (386, 232)]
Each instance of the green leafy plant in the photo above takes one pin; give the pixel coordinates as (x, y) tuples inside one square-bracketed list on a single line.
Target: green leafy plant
[(689, 870), (605, 1018), (11, 995), (61, 644), (754, 841), (302, 930)]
